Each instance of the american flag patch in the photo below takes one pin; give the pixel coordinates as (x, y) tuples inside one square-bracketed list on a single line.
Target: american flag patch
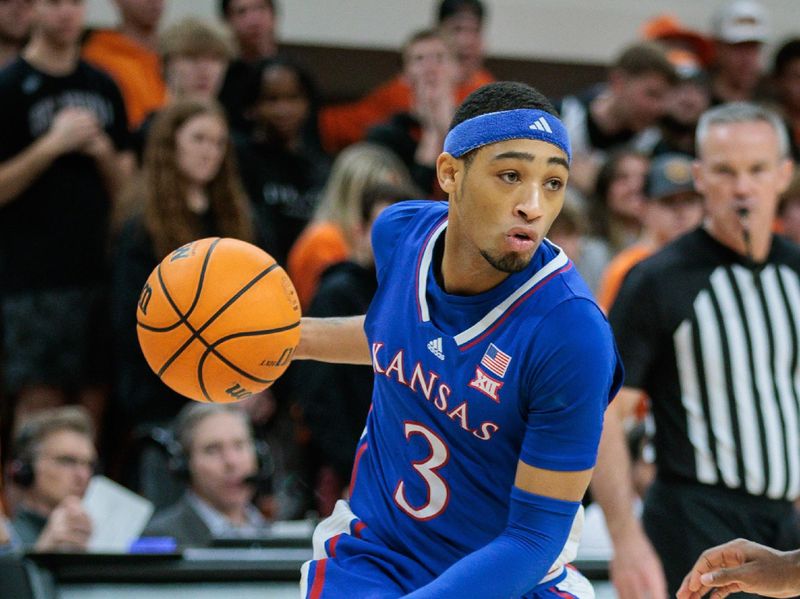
[(495, 360)]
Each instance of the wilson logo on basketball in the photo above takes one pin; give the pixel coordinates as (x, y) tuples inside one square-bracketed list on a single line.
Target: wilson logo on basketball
[(182, 252), (144, 298), (285, 358), (238, 392)]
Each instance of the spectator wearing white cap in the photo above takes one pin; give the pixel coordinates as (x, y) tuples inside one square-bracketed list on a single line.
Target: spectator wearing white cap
[(739, 28)]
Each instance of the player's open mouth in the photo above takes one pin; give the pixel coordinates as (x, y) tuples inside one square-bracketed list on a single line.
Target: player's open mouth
[(520, 241)]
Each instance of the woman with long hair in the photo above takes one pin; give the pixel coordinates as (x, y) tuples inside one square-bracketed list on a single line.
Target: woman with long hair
[(329, 237), (188, 188)]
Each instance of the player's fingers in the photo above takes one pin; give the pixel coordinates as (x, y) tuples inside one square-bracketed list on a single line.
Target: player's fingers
[(723, 592)]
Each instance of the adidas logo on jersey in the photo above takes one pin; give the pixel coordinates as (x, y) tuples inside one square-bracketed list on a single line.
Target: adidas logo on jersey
[(435, 346), (541, 125)]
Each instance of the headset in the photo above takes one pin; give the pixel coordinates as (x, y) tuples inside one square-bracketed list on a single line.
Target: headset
[(21, 468), (178, 461)]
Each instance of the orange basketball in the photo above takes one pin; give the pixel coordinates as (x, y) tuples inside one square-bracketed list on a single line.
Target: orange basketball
[(218, 320)]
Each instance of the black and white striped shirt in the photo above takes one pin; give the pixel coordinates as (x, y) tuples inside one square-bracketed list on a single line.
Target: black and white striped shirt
[(716, 345)]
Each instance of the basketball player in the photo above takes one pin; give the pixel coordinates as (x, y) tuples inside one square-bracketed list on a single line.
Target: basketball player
[(493, 368)]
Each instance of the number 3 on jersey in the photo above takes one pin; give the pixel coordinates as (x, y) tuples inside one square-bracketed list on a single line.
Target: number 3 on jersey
[(438, 491)]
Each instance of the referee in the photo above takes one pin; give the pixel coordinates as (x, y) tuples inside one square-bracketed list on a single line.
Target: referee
[(709, 329)]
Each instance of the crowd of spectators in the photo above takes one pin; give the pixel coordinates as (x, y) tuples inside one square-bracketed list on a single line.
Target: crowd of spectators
[(122, 144)]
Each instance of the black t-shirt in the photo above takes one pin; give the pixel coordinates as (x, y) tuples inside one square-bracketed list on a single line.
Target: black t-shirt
[(54, 234), (715, 344), (284, 189), (336, 397)]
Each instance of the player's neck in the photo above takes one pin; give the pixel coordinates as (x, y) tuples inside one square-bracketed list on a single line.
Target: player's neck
[(51, 58), (465, 272)]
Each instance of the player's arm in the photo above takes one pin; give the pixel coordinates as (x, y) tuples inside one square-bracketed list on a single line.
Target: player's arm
[(635, 570), (541, 512), (340, 340), (743, 566)]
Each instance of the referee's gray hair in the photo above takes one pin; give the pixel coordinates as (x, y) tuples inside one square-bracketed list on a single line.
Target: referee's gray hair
[(741, 112), (188, 419)]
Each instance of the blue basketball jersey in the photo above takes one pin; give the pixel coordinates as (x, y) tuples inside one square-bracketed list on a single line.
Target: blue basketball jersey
[(465, 386)]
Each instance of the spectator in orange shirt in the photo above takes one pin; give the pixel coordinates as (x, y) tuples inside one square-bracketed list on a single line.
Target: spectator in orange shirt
[(129, 55), (417, 135), (461, 21), (673, 208)]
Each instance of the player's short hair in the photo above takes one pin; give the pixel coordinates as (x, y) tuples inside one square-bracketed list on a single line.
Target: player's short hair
[(646, 58), (225, 4), (498, 96), (741, 112), (195, 37), (786, 54), (448, 8), (33, 433), (192, 414)]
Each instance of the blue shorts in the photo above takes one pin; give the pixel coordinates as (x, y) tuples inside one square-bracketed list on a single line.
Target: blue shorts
[(350, 563)]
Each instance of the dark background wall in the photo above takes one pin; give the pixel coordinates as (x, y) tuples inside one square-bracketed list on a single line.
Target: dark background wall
[(347, 73)]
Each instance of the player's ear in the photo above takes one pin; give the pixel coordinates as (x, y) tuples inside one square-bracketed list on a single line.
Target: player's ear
[(446, 168)]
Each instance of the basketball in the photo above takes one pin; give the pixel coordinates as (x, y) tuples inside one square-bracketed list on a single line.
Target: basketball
[(218, 320)]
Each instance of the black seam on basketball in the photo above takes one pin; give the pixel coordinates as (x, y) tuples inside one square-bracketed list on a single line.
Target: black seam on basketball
[(212, 349), (225, 306), (183, 317)]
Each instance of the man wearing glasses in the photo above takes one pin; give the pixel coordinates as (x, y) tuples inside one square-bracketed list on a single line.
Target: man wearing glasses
[(53, 460)]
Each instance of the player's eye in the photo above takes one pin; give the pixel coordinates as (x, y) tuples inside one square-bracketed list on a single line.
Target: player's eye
[(510, 177), (554, 184)]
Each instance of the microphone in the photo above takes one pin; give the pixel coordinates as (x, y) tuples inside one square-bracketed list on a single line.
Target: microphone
[(252, 479)]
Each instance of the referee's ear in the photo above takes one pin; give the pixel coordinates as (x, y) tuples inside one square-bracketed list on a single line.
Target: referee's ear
[(447, 169)]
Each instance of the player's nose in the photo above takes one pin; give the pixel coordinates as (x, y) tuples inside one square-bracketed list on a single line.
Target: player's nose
[(529, 204)]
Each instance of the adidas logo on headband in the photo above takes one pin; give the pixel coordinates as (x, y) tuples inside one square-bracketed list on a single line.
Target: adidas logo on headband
[(541, 125), (492, 127)]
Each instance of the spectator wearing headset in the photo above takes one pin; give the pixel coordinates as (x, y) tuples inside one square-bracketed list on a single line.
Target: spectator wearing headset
[(53, 461), (215, 452)]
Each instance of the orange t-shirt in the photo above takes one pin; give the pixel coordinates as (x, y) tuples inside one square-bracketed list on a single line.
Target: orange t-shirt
[(347, 124), (320, 245), (136, 70), (616, 271)]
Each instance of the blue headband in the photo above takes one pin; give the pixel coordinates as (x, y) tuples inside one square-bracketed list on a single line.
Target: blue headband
[(522, 123)]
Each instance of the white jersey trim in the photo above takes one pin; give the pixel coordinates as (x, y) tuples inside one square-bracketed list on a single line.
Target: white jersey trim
[(559, 261)]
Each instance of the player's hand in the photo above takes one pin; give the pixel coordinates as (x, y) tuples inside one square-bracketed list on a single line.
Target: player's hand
[(72, 129), (68, 528), (742, 566), (635, 569)]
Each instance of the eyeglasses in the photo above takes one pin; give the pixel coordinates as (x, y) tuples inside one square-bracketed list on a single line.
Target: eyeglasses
[(69, 461)]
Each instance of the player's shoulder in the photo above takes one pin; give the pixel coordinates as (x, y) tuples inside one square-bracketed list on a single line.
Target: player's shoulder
[(398, 215)]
